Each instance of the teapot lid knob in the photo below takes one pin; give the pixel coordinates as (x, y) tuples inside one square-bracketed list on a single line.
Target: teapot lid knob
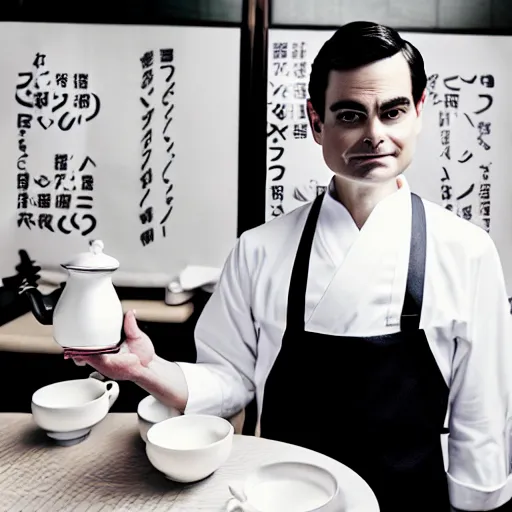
[(97, 246)]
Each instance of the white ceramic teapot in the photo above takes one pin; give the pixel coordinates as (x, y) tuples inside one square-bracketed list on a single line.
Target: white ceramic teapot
[(88, 314)]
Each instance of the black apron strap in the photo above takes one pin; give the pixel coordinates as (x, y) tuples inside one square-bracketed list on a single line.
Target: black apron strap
[(413, 300), (299, 278)]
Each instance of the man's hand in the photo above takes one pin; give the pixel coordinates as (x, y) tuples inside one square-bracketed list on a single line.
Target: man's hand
[(137, 362), (135, 354)]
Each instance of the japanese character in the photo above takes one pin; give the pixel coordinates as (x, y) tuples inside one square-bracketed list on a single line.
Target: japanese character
[(487, 81), (63, 201), (465, 157), (147, 118), (27, 219), (282, 87), (446, 176), (281, 69), (445, 137), (168, 92), (147, 78), (444, 119), (277, 210), (467, 213), (168, 200), (75, 225), (44, 221), (280, 50), (281, 171), (24, 102), (67, 126), (41, 99), (60, 225), (43, 181), (489, 99), (147, 215), (164, 172), (59, 178), (44, 200), (482, 143), (485, 191), (147, 178), (21, 164), (24, 120), (300, 70), (82, 100), (62, 103), (86, 161), (61, 162), (87, 183), (40, 121), (484, 128), (143, 200), (275, 128), (23, 180), (451, 79), (299, 50), (279, 150), (431, 82), (84, 206), (168, 78), (451, 100), (147, 237), (277, 192), (147, 59), (300, 131), (61, 79), (146, 155), (485, 208), (81, 80), (469, 120), (300, 91), (166, 55), (469, 80), (487, 224), (169, 119), (39, 60), (446, 192), (23, 200), (283, 110), (446, 152), (465, 194)]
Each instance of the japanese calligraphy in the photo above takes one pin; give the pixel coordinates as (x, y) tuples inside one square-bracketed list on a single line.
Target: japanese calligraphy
[(146, 172), (464, 101), (45, 95), (287, 116)]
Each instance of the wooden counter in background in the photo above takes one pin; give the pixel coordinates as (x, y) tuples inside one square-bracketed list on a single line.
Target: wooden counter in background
[(26, 334)]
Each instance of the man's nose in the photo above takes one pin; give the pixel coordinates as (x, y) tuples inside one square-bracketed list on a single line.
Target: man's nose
[(374, 135)]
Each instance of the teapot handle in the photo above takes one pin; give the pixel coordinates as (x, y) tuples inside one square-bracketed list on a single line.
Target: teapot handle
[(235, 506)]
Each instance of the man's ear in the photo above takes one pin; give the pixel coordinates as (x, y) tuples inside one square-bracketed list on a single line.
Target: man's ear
[(317, 127), (420, 107)]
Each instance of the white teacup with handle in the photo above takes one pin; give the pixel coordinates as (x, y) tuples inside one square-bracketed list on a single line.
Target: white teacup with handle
[(68, 410), (290, 486)]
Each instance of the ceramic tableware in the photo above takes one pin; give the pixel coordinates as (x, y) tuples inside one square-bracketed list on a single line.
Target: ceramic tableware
[(68, 410), (287, 486), (151, 411), (191, 447)]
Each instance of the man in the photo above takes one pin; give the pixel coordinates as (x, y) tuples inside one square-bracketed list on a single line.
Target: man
[(367, 321)]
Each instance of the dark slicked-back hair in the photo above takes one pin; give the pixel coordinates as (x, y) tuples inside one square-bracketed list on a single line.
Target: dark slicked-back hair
[(357, 44)]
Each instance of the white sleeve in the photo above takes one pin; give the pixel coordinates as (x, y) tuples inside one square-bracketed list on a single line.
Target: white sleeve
[(222, 381), (481, 395)]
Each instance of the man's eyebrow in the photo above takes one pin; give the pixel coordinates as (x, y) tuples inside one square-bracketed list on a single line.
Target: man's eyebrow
[(347, 105), (401, 101)]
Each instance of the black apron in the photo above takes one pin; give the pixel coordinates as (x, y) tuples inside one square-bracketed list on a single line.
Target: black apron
[(375, 404)]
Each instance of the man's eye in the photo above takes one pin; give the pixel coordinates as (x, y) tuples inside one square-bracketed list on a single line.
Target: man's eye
[(393, 114), (349, 117)]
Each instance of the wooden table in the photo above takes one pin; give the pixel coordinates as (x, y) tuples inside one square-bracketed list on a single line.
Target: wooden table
[(109, 471)]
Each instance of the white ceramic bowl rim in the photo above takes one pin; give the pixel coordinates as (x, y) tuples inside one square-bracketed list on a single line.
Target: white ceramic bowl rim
[(185, 417), (90, 380), (145, 406)]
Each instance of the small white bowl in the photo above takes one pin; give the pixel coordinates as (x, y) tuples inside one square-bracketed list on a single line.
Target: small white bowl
[(189, 448), (151, 411)]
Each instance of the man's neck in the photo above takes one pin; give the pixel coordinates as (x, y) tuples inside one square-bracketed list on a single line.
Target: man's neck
[(361, 199)]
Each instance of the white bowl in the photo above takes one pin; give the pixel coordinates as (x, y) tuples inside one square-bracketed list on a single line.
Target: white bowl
[(191, 447), (151, 411), (290, 486)]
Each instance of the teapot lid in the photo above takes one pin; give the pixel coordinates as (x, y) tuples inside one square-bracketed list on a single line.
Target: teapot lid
[(94, 259)]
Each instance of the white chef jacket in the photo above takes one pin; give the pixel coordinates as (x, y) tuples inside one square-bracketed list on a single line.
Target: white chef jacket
[(356, 287)]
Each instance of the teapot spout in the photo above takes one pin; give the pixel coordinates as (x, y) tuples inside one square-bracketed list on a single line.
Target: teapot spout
[(42, 306)]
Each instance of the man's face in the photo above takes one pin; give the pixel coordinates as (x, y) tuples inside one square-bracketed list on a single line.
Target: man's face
[(370, 122)]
